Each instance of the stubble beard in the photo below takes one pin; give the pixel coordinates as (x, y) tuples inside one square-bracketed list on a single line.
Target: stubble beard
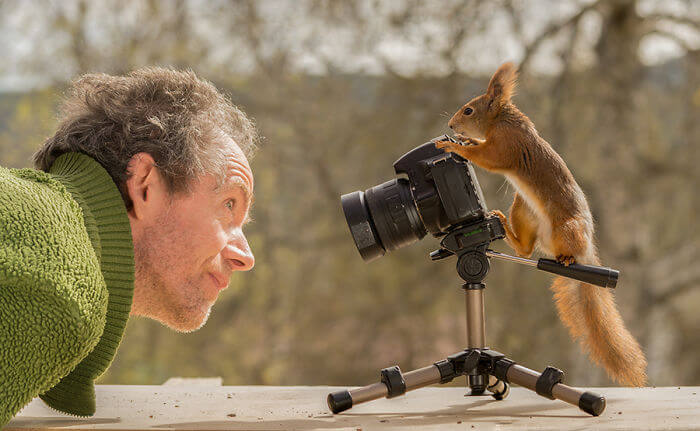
[(157, 296)]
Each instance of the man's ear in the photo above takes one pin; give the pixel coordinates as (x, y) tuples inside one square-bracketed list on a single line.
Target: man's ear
[(502, 86), (144, 185)]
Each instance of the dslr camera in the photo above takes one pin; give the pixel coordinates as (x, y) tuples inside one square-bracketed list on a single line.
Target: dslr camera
[(440, 195)]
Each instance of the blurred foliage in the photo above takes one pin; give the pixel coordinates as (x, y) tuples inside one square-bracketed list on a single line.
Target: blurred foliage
[(311, 312)]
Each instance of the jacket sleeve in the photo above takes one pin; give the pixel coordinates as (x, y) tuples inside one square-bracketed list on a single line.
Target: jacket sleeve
[(52, 294)]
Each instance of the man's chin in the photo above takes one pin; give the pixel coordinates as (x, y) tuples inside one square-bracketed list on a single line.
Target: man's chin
[(188, 321)]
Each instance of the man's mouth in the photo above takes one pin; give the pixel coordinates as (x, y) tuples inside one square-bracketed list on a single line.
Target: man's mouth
[(220, 280)]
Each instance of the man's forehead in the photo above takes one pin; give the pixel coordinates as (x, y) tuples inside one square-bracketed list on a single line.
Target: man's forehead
[(236, 172), (232, 183)]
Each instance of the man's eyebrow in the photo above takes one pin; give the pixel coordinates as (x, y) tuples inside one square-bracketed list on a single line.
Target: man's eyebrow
[(238, 183)]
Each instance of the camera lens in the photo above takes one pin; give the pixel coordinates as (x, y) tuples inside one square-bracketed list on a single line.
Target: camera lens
[(361, 227), (383, 218)]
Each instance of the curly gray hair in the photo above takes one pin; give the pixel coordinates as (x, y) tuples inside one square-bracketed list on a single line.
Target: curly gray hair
[(171, 115)]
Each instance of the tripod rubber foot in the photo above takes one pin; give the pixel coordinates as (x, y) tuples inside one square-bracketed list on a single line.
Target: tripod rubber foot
[(499, 395), (340, 401), (592, 403)]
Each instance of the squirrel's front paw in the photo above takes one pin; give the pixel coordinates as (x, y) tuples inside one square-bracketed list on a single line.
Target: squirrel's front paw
[(466, 140), (447, 146)]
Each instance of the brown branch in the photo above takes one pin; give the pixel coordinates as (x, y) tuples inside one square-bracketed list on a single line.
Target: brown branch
[(675, 38), (552, 30), (675, 273), (685, 20), (456, 39), (517, 23), (562, 86), (667, 263), (250, 24), (665, 297), (389, 68)]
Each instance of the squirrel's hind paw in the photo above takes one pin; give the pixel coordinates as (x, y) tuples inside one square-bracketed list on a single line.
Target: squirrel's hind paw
[(565, 260), (500, 215)]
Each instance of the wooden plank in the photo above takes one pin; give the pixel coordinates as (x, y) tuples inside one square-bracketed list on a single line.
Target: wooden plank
[(304, 408), (194, 381)]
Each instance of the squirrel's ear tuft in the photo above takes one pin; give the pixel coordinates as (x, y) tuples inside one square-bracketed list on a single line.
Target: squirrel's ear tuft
[(502, 85)]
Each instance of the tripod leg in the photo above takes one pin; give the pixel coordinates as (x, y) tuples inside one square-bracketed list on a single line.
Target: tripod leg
[(548, 384), (394, 383), (476, 332)]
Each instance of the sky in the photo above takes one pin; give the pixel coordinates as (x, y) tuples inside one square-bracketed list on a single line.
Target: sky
[(33, 56)]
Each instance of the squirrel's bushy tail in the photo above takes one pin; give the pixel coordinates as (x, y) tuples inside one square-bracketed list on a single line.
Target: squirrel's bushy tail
[(591, 316)]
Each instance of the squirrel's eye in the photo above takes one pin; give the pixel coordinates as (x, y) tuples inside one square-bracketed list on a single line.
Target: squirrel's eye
[(468, 111)]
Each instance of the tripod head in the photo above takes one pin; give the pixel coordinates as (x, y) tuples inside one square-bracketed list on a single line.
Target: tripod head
[(470, 244)]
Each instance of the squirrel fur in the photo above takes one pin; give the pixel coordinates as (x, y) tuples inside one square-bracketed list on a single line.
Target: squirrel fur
[(549, 210)]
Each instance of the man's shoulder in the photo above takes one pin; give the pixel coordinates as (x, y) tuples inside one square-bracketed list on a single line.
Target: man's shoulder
[(33, 203), (53, 296), (43, 240), (29, 186)]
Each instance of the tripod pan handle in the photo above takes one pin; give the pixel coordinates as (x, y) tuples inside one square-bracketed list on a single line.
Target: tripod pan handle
[(598, 275), (339, 401)]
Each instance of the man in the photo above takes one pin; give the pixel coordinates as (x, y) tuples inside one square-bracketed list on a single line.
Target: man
[(137, 207)]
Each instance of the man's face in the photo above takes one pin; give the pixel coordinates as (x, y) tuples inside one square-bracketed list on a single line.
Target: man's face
[(186, 246)]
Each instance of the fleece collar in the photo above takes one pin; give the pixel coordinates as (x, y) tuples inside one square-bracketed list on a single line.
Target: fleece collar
[(108, 227)]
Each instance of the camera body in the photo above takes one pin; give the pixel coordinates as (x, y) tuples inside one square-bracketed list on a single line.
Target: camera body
[(444, 185), (441, 193)]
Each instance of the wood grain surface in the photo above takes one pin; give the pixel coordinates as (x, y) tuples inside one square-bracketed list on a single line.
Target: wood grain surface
[(197, 407)]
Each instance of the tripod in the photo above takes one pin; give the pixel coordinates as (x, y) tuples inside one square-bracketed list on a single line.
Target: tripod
[(484, 368)]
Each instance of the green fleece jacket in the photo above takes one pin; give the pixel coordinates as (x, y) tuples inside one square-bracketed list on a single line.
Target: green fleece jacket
[(66, 283)]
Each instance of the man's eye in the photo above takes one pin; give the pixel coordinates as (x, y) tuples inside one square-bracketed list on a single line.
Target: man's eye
[(468, 111), (230, 204)]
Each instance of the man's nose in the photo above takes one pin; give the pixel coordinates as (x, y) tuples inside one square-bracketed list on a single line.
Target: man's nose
[(238, 254)]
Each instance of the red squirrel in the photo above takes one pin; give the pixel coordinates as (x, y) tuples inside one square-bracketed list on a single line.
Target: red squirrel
[(550, 210)]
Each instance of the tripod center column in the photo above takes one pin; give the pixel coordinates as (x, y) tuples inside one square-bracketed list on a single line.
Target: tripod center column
[(476, 325)]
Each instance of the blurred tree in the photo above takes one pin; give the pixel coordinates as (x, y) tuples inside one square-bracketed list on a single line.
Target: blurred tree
[(340, 90), (28, 120), (616, 121)]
